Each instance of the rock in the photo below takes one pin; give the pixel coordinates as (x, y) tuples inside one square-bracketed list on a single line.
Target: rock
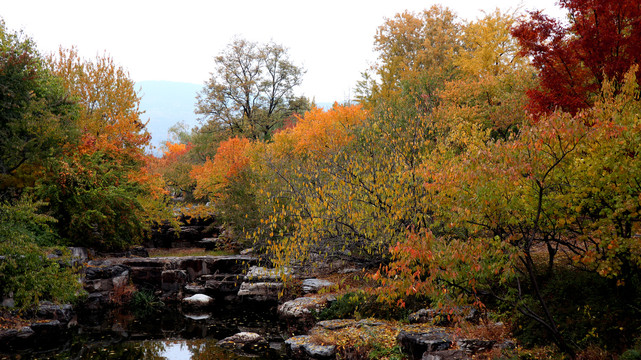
[(79, 255), (348, 270), (422, 316), (8, 302), (194, 289), (17, 338), (49, 311), (301, 347), (336, 324), (209, 243), (173, 281), (105, 272), (369, 322), (120, 281), (245, 341), (247, 251), (262, 291), (445, 355), (301, 308), (262, 274), (506, 345), (314, 285), (473, 346), (222, 284), (198, 300), (25, 332), (417, 343), (55, 254), (102, 279), (444, 318), (138, 251), (49, 332), (190, 232), (96, 301), (147, 272)]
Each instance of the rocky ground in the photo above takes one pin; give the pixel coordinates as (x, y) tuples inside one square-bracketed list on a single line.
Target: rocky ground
[(202, 282)]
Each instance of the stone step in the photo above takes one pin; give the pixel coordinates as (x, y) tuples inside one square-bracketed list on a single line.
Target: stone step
[(222, 284)]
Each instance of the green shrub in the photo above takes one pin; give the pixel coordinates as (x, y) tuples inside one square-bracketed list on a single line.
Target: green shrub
[(145, 302), (362, 305), (25, 270), (632, 354), (589, 309)]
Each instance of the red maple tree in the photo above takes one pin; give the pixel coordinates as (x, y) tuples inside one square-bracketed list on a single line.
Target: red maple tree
[(601, 40)]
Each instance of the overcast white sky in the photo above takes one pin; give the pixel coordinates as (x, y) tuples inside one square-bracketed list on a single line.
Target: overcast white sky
[(177, 40)]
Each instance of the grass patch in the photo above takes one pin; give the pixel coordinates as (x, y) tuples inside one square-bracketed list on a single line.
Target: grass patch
[(145, 302)]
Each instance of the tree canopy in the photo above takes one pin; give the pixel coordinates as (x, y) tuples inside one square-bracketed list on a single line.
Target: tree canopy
[(251, 89), (573, 60)]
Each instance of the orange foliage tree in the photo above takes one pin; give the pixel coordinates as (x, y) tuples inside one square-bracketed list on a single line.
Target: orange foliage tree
[(98, 189), (214, 176), (174, 167), (226, 182)]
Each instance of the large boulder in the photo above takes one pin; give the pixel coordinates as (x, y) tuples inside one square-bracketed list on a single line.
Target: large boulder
[(473, 346), (314, 285), (222, 284), (50, 311), (302, 347), (446, 355), (301, 308), (198, 301), (11, 339), (262, 274), (416, 343), (245, 341), (173, 281), (262, 291)]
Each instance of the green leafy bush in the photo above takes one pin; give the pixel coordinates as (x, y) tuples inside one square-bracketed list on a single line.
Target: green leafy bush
[(363, 305), (25, 270), (631, 355), (145, 302)]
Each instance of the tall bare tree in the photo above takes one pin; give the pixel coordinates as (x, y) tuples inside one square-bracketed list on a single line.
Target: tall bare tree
[(249, 92)]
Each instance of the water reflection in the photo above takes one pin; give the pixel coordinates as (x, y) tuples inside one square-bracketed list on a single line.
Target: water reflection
[(199, 349), (168, 334)]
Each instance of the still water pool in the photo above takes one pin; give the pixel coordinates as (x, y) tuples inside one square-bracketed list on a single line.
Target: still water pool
[(168, 334)]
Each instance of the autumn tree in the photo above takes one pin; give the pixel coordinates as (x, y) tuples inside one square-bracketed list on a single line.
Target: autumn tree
[(111, 116), (341, 183), (515, 215), (174, 167), (226, 183), (36, 117), (415, 55), (96, 189), (601, 41), (36, 121), (488, 99), (250, 90)]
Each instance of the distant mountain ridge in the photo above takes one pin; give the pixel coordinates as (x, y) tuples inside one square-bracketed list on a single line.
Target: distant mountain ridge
[(166, 103)]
